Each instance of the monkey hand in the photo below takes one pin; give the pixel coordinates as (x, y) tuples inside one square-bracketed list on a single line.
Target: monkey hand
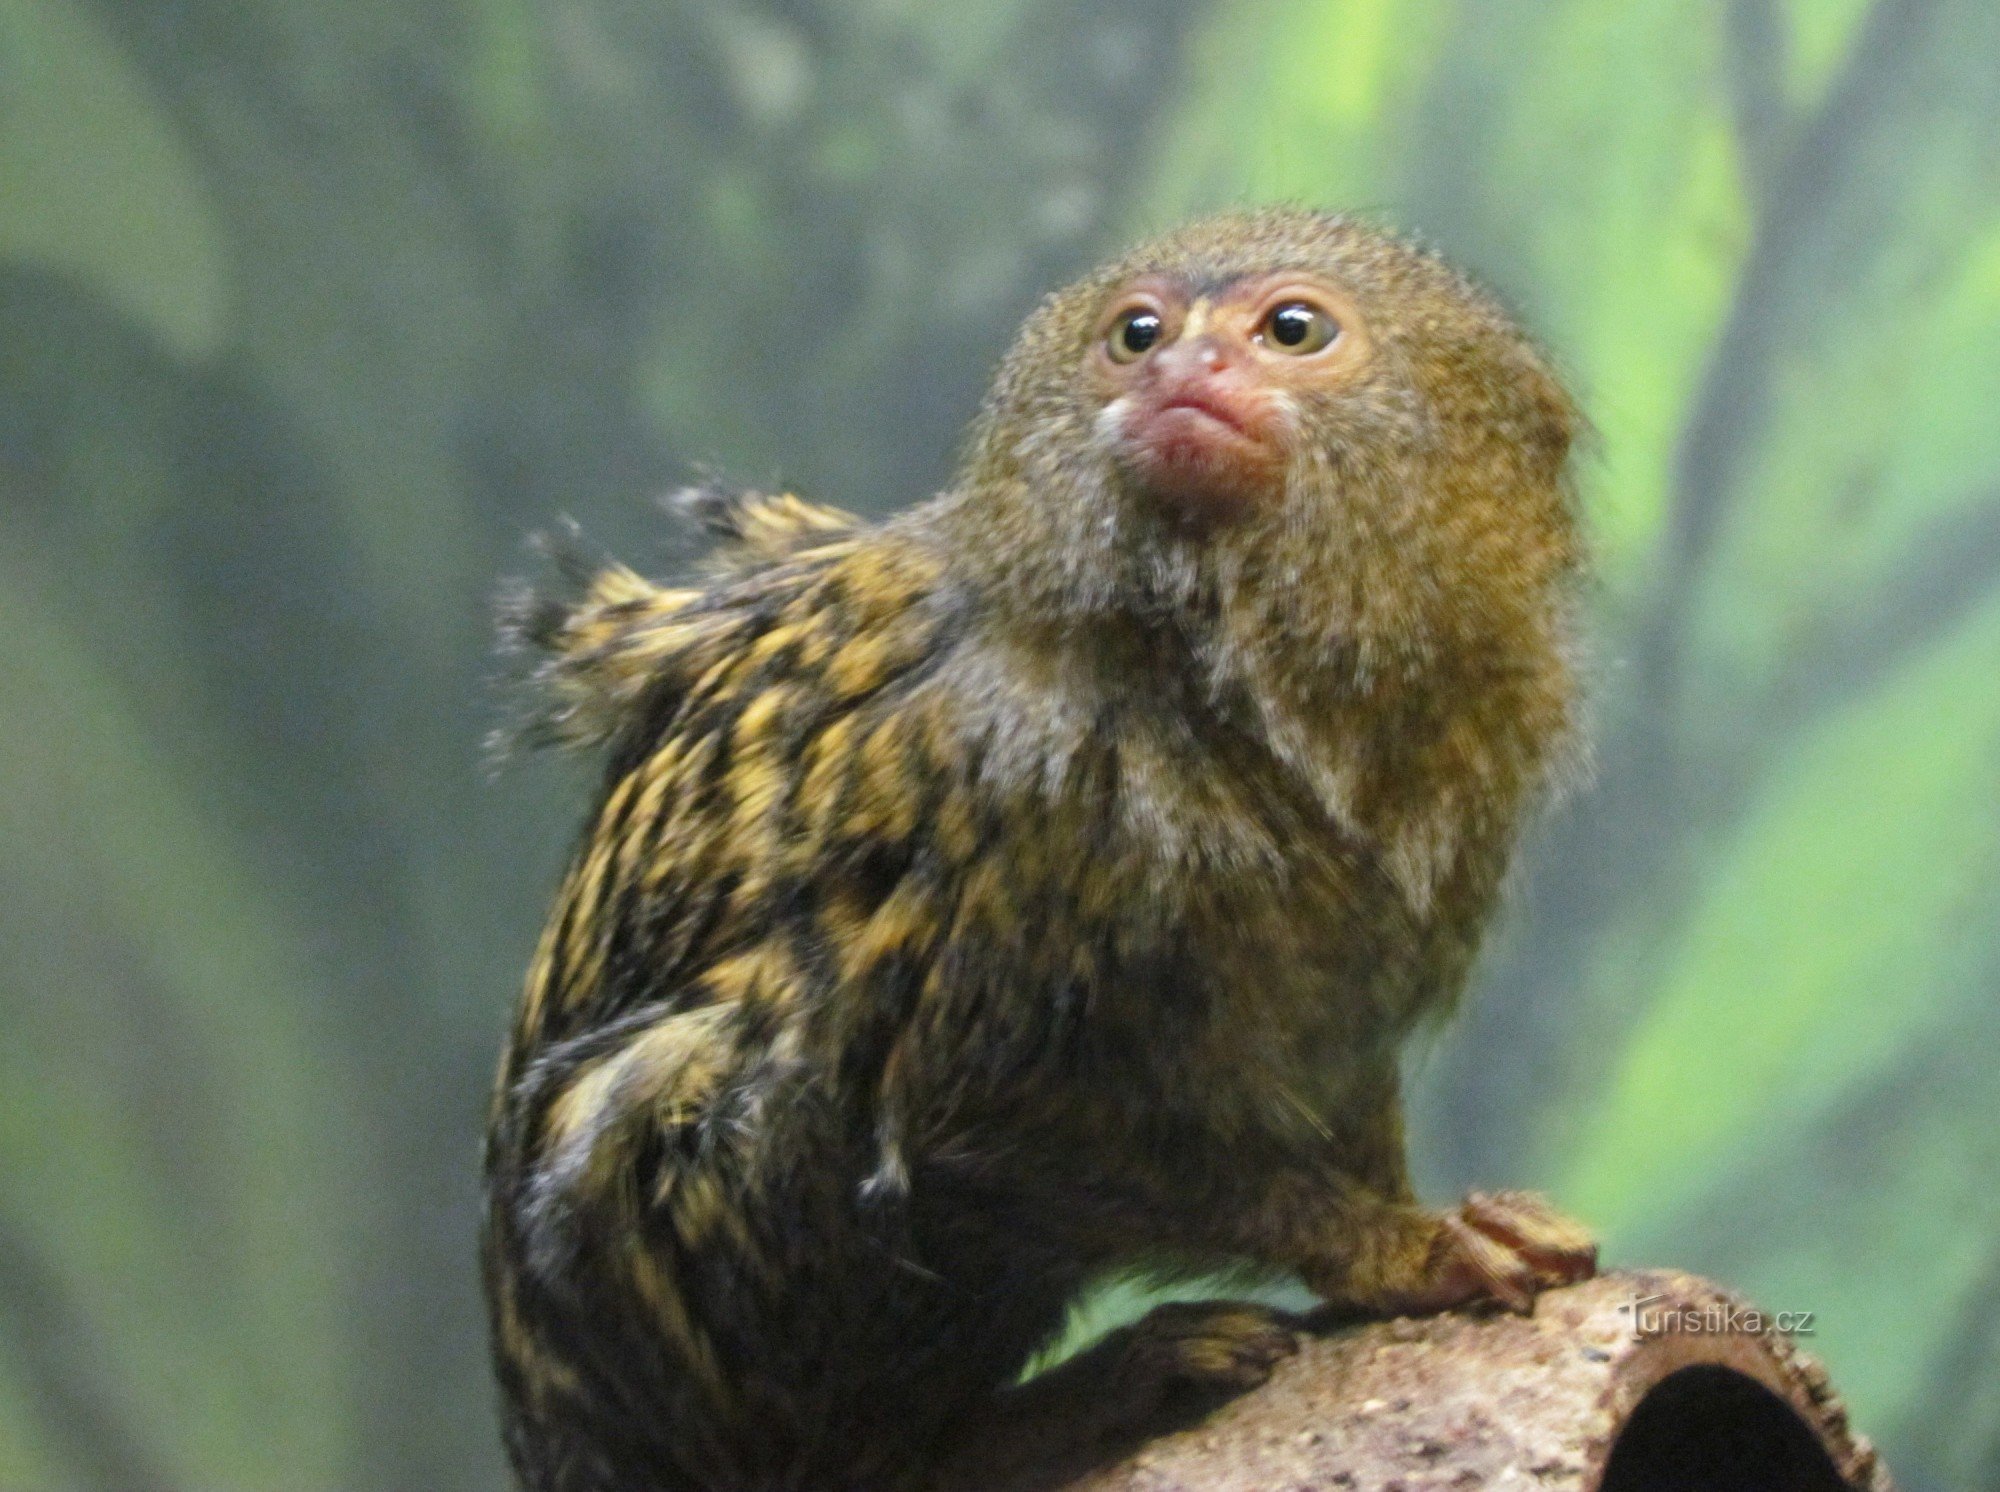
[(1494, 1246)]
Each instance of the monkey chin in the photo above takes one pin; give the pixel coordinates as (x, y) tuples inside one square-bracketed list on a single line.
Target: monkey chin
[(1201, 472)]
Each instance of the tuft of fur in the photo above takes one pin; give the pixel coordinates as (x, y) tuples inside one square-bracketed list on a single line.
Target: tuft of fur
[(748, 528), (588, 646)]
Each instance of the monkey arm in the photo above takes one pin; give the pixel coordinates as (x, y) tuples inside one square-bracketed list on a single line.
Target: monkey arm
[(1352, 1227)]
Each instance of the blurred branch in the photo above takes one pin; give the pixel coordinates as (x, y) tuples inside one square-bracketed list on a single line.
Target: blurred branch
[(72, 1404), (1756, 67), (1952, 566), (1731, 404)]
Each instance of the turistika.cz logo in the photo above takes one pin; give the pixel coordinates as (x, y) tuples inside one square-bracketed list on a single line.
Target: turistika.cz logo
[(1653, 1317)]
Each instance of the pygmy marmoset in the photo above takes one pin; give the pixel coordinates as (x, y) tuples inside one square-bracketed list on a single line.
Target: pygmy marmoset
[(1038, 883)]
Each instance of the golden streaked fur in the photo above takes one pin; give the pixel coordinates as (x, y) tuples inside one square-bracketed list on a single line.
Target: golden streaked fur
[(1021, 888)]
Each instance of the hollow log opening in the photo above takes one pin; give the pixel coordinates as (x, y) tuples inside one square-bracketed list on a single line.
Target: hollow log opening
[(1710, 1429)]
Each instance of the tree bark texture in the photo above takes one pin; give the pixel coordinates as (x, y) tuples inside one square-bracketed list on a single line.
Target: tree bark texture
[(1643, 1381)]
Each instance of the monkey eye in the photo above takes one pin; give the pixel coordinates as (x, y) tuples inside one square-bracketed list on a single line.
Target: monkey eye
[(1298, 328), (1133, 334)]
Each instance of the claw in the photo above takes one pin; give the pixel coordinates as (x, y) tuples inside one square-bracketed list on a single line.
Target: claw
[(1556, 1246), (1493, 1270), (1515, 1245)]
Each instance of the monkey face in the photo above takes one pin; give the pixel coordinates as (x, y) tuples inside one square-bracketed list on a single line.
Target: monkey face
[(1284, 425), (1202, 386)]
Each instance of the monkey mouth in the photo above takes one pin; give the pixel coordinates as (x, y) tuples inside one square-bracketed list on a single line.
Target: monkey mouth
[(1199, 424), (1201, 462), (1206, 406), (1197, 427)]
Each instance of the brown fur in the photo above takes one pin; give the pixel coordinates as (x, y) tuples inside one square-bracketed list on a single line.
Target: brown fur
[(1020, 889)]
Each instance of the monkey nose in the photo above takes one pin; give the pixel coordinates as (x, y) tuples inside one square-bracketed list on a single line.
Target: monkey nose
[(1196, 356), (1211, 354)]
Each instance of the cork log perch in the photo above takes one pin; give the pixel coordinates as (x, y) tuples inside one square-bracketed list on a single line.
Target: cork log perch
[(1570, 1399)]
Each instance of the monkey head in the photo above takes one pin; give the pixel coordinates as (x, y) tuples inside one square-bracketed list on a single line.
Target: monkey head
[(1284, 422)]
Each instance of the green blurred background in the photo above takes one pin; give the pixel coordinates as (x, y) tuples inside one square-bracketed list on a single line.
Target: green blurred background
[(310, 312)]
